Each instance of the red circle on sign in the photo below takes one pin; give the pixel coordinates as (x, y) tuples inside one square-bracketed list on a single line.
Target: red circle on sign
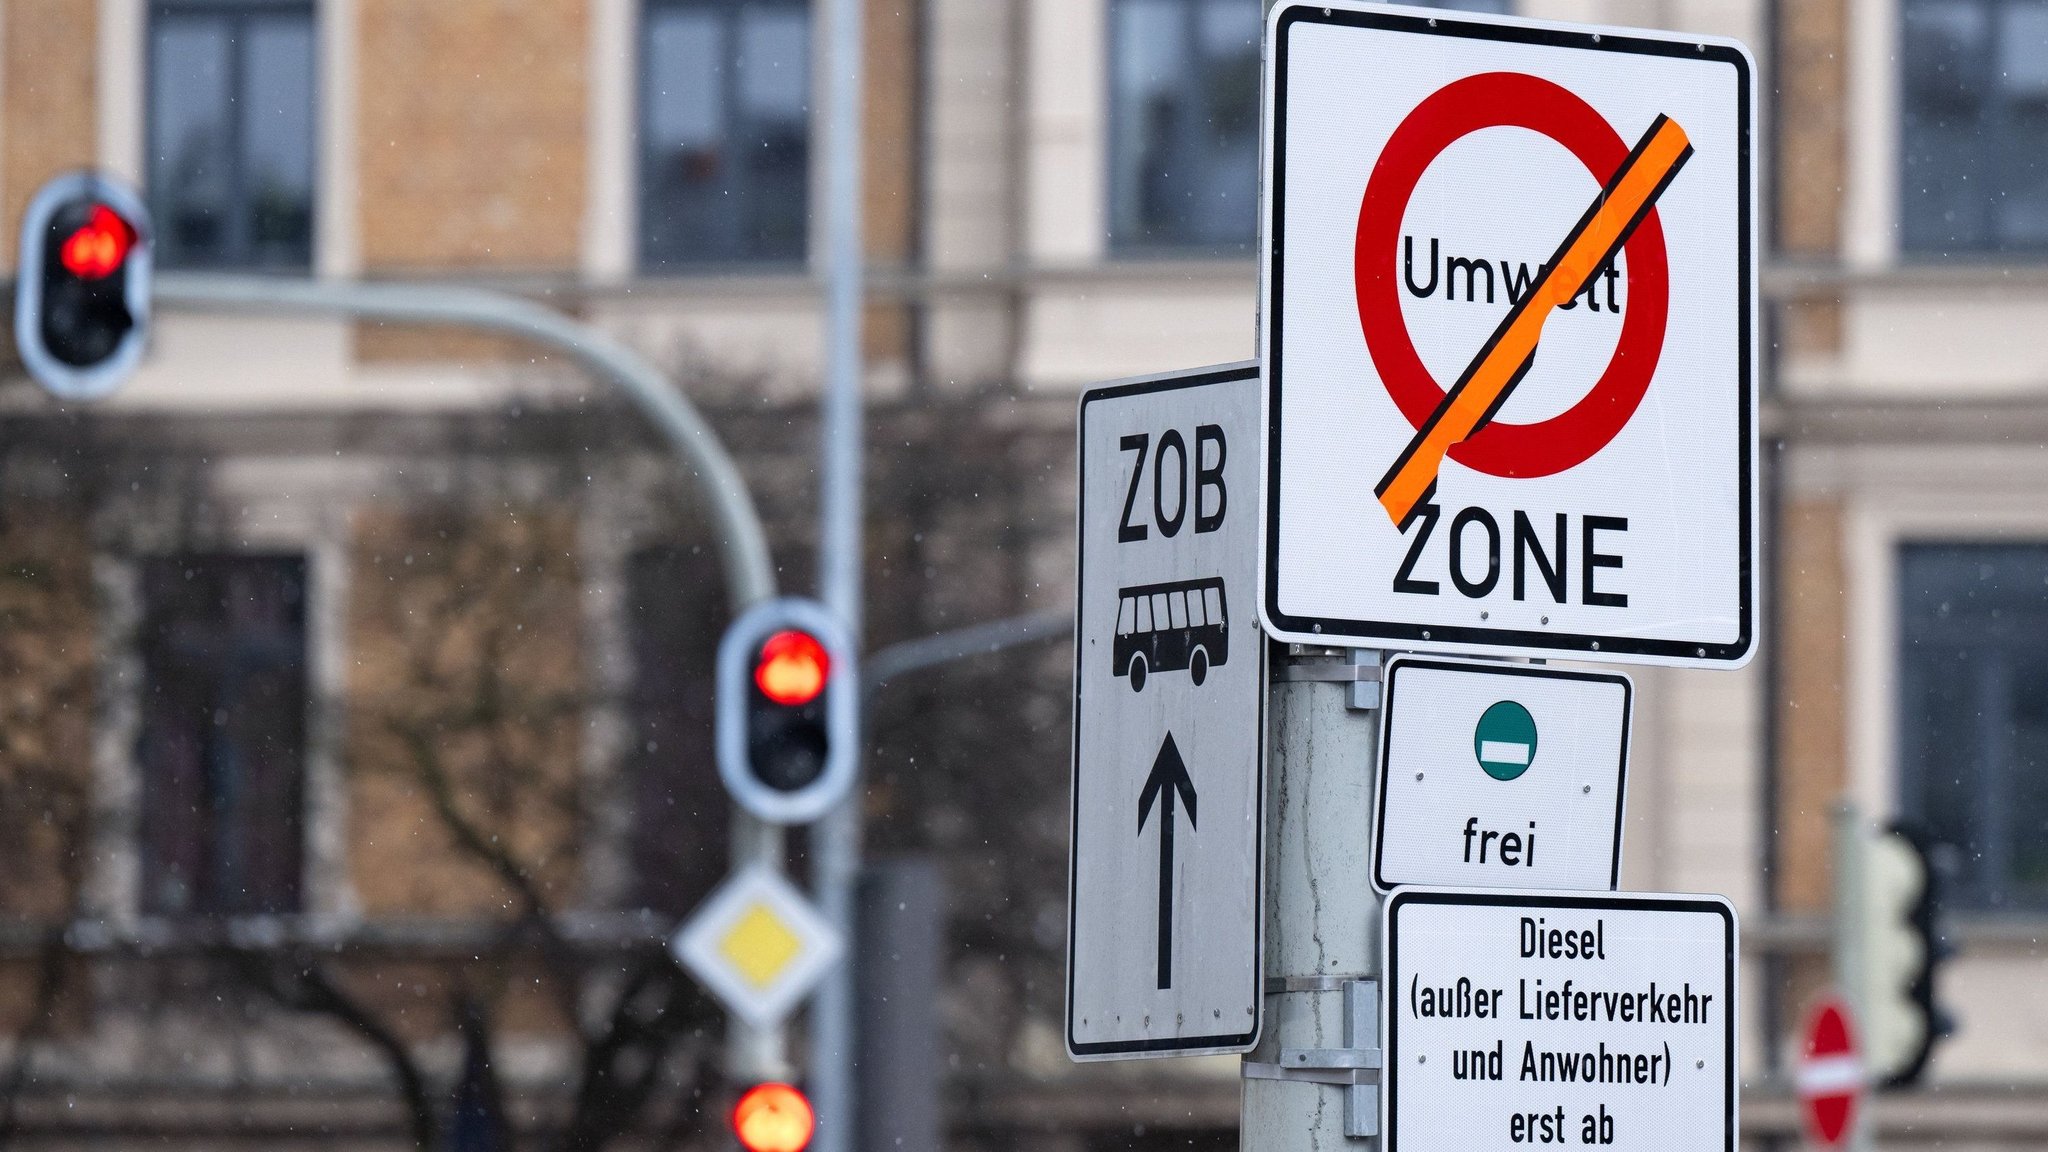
[(1515, 100)]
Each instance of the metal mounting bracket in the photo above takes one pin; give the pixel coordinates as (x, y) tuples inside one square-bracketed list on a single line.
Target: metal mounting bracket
[(1360, 669), (1354, 1067), (1281, 985)]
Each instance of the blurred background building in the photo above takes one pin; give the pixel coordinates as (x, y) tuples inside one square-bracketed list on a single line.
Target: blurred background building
[(355, 678)]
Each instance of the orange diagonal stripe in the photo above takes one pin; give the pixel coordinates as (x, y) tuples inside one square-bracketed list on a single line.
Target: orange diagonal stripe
[(1501, 364)]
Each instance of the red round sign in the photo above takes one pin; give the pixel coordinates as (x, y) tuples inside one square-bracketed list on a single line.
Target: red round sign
[(1488, 100), (1830, 1074)]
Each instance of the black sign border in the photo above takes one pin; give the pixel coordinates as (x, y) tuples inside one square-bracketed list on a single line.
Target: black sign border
[(1534, 671), (1235, 1041), (1597, 646), (1390, 1020)]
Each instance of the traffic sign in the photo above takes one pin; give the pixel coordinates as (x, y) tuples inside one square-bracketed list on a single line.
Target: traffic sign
[(1163, 925), (1830, 1076), (1508, 324), (1558, 1018), (758, 945), (1501, 775)]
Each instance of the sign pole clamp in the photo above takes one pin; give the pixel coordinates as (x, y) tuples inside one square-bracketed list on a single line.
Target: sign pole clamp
[(1354, 1067), (1360, 669)]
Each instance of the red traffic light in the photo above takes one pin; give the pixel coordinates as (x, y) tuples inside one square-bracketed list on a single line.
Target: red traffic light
[(792, 668), (786, 728), (773, 1117), (95, 250)]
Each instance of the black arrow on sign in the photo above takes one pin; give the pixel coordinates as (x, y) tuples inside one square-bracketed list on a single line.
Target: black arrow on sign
[(1169, 776)]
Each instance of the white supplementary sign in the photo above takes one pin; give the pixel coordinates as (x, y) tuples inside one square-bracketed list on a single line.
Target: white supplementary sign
[(1500, 775), (758, 945), (1163, 955), (1520, 1018), (1509, 294)]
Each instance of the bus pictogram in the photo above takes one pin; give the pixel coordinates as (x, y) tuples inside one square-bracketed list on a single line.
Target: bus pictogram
[(1173, 627)]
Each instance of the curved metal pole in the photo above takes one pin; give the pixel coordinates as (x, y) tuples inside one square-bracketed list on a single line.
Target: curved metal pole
[(749, 572)]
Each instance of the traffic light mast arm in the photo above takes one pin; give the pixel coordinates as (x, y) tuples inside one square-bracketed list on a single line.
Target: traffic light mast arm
[(906, 656), (743, 546)]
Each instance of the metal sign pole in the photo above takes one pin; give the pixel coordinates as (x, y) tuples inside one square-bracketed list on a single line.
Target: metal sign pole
[(1852, 973), (835, 840), (1313, 1079)]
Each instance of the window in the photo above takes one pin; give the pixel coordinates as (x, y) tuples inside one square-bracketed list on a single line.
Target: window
[(231, 133), (1974, 126), (1184, 123), (1184, 130), (1973, 717), (724, 131), (223, 733)]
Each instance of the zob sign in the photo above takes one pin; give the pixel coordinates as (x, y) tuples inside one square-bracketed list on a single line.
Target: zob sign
[(1509, 298), (1169, 720)]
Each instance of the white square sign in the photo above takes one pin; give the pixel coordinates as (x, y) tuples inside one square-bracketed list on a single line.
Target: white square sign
[(1500, 775), (1546, 1019), (1509, 299)]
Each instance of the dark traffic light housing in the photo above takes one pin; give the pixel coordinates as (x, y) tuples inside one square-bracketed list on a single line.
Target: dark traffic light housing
[(1903, 945), (788, 688), (82, 287)]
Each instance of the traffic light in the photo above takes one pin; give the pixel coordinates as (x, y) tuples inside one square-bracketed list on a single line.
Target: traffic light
[(787, 691), (773, 1118), (1902, 952), (82, 287)]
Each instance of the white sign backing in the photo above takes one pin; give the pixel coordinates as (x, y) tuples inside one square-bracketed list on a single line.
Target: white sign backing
[(1521, 1018), (1509, 295), (1163, 955), (1498, 775)]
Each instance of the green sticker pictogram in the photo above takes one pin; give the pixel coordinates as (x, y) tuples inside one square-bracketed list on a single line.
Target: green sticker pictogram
[(1505, 740)]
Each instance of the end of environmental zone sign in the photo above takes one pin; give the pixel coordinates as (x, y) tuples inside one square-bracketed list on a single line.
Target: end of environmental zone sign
[(1505, 358), (1563, 219)]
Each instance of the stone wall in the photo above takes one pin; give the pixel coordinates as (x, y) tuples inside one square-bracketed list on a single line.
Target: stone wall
[(471, 134), (47, 100)]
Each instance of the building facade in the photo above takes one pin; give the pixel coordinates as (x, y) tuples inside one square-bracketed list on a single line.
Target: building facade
[(359, 674)]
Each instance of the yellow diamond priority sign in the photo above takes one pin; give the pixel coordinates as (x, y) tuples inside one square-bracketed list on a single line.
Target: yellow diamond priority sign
[(758, 944)]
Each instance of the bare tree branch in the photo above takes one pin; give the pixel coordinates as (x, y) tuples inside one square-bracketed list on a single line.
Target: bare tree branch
[(307, 987), (51, 964), (623, 1063)]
